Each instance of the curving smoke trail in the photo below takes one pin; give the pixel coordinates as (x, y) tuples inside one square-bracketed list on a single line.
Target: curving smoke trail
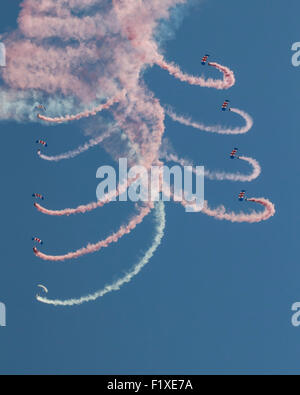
[(227, 82), (160, 217), (221, 175), (215, 128), (90, 248), (72, 154), (84, 114), (221, 214), (68, 54), (255, 173), (78, 210), (109, 197)]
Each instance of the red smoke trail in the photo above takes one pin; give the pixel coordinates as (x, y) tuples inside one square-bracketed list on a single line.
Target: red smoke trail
[(160, 218), (254, 216), (90, 248), (221, 214), (118, 42), (227, 82), (87, 207)]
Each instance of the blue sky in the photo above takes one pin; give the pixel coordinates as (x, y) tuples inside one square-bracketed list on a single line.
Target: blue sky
[(216, 297)]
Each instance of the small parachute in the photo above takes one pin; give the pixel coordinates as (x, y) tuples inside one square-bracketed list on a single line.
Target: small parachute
[(43, 288), (242, 195), (233, 153), (225, 105), (40, 107), (37, 240), (204, 59), (42, 142), (38, 196)]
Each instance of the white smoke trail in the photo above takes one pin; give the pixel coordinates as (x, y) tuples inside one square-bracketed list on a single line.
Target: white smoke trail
[(215, 128), (160, 217), (84, 114), (21, 106), (221, 175), (72, 154)]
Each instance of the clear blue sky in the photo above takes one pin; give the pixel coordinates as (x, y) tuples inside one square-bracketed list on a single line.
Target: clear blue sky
[(216, 297)]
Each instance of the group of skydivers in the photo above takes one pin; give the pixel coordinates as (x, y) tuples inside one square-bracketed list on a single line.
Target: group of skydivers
[(242, 195), (233, 155)]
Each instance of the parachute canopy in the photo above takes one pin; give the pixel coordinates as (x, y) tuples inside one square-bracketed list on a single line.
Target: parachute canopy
[(225, 105), (204, 59), (40, 107), (42, 142), (233, 153), (37, 240), (43, 288), (242, 195), (38, 196)]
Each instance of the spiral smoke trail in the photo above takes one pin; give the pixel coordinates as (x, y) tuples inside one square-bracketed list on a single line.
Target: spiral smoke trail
[(216, 128), (160, 217), (115, 44)]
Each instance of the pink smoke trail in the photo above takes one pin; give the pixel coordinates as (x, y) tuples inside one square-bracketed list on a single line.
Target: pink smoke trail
[(84, 114), (72, 154), (160, 217), (220, 175), (90, 248), (87, 207), (221, 214), (227, 82), (215, 128)]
